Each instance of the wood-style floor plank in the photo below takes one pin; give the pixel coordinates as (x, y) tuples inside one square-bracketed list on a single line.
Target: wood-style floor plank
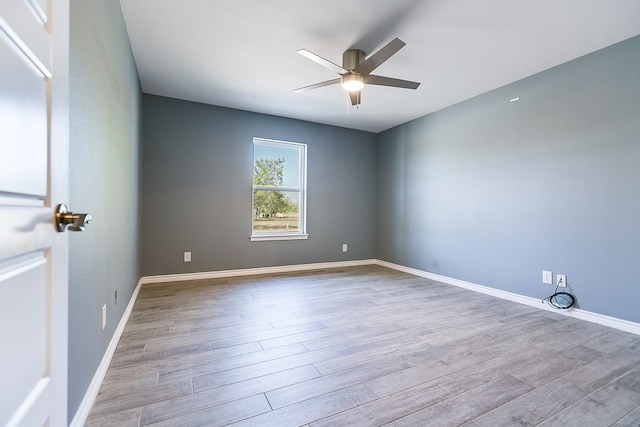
[(181, 406), (466, 406), (362, 346)]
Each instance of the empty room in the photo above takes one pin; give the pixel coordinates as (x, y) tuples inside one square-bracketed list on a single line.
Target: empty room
[(338, 213)]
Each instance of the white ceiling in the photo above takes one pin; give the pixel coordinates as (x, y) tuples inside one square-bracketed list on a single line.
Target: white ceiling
[(242, 53)]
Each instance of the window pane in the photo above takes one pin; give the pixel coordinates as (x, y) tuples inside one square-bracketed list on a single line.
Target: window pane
[(276, 165), (279, 190), (276, 211)]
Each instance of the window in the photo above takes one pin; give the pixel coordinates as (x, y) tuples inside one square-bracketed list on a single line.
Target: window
[(279, 190)]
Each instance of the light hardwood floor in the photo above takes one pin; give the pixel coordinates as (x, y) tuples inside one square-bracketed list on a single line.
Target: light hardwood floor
[(362, 346)]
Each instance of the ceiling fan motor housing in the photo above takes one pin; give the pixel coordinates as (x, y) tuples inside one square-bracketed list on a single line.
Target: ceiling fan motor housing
[(352, 58)]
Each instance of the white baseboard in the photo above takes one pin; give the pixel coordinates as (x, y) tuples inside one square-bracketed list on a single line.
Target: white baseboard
[(94, 387), (612, 322), (254, 271)]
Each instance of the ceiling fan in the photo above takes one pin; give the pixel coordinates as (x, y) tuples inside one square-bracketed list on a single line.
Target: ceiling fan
[(356, 70)]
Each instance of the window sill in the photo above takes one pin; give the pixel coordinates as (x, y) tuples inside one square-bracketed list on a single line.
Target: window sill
[(269, 237)]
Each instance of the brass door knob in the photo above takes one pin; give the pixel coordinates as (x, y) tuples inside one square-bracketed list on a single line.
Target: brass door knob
[(71, 221)]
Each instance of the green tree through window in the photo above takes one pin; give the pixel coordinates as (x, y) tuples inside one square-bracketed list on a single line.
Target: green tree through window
[(267, 204)]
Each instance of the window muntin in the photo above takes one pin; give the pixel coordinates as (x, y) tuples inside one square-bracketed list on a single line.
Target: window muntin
[(279, 190)]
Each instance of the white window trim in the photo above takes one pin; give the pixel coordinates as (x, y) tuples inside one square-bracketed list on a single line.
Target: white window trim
[(270, 237), (302, 207)]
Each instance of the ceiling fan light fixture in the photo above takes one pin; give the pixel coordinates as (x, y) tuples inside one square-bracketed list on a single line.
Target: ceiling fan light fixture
[(352, 82)]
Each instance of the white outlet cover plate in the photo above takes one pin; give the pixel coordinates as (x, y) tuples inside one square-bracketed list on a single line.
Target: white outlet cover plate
[(547, 277), (104, 316), (562, 280)]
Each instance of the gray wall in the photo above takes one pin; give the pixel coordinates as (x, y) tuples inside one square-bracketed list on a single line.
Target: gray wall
[(104, 168), (196, 189), (493, 192)]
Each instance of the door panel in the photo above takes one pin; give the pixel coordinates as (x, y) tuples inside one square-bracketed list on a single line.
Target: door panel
[(23, 121), (25, 282), (25, 27), (33, 177)]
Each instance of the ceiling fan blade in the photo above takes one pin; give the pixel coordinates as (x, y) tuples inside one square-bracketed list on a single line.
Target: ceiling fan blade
[(321, 61), (375, 60), (355, 97), (317, 85), (388, 81)]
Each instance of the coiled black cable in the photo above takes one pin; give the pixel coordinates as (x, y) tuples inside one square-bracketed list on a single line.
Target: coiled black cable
[(560, 300)]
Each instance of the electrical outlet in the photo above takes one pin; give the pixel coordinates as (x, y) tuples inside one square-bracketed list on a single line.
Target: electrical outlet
[(561, 280), (187, 257), (104, 316), (344, 247), (547, 277)]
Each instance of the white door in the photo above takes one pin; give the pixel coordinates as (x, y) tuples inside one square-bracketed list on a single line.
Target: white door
[(33, 180)]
